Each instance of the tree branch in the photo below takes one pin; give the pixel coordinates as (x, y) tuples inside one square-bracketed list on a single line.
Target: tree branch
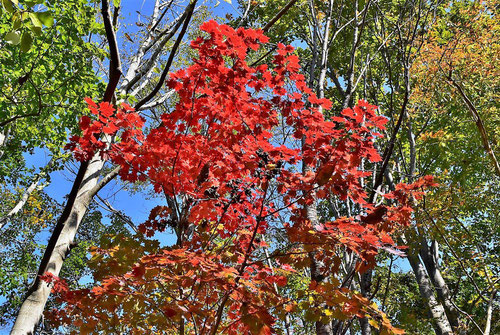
[(115, 70), (118, 213), (479, 123), (156, 89), (279, 15)]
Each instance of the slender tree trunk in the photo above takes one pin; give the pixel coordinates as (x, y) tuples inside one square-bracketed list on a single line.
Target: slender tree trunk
[(365, 285), (429, 258), (85, 186), (27, 193), (489, 313), (87, 182), (312, 209), (315, 267), (4, 135), (436, 310), (34, 304)]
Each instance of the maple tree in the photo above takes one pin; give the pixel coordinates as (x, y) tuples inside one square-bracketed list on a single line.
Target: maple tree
[(243, 145), (200, 147)]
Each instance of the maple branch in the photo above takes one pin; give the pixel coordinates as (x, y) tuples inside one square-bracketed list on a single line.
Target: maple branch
[(390, 147), (157, 102), (166, 32), (292, 202), (116, 14), (27, 193), (220, 310), (324, 55), (468, 317), (386, 291), (258, 219), (245, 14), (132, 71), (276, 254), (165, 10), (223, 331), (368, 62), (137, 70), (264, 56), (358, 31), (14, 118), (118, 213), (115, 70), (105, 180), (187, 19)]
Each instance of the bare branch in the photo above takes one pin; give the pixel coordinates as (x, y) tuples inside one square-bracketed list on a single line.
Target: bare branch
[(105, 180), (27, 193), (118, 213), (189, 11)]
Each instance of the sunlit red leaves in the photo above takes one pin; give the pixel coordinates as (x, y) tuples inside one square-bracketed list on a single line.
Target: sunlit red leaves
[(218, 151), (108, 123), (58, 285)]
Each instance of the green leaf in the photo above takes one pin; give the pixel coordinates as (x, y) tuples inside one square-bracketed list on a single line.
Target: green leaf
[(26, 42), (12, 37), (16, 22), (46, 18), (228, 1), (36, 30), (34, 19), (7, 4), (116, 3)]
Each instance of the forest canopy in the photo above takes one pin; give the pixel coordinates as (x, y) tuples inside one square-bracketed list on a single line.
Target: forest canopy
[(320, 167)]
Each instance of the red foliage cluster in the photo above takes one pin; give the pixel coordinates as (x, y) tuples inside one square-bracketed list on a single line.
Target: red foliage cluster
[(243, 145)]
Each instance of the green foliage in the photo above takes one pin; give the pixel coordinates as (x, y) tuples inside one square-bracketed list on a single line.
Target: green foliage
[(45, 76)]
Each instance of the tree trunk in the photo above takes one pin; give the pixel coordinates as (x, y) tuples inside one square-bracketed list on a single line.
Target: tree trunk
[(34, 304), (365, 285), (429, 257), (4, 135), (85, 186), (316, 273), (441, 324)]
